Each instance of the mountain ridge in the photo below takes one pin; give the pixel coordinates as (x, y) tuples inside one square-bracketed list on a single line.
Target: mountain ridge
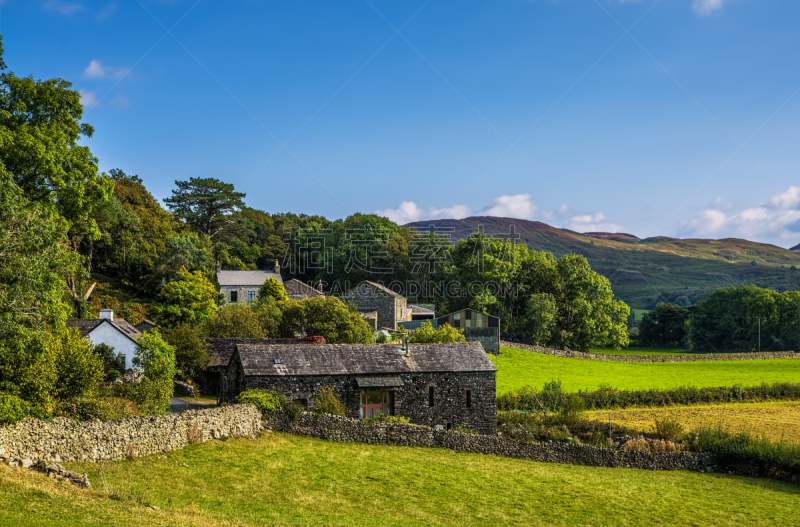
[(645, 271)]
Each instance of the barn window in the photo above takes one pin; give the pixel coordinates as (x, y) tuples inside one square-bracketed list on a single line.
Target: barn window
[(251, 295), (234, 296), (469, 398), (430, 395), (300, 402), (376, 404)]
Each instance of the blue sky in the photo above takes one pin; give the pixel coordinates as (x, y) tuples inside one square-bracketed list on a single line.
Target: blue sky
[(678, 117)]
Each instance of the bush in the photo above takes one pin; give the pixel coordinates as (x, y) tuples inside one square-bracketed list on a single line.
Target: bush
[(572, 410), (235, 321), (115, 360), (607, 397), (79, 369), (327, 403), (382, 338), (156, 359), (445, 333), (388, 419), (191, 354), (12, 409), (327, 317), (267, 401), (112, 375), (272, 288), (667, 428), (776, 460), (105, 408), (465, 429)]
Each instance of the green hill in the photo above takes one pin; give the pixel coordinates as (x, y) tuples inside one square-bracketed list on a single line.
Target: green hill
[(642, 270)]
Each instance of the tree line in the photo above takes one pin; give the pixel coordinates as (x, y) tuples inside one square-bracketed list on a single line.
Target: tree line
[(743, 318)]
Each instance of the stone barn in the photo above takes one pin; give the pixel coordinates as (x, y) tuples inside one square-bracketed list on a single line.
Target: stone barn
[(432, 384), (370, 296)]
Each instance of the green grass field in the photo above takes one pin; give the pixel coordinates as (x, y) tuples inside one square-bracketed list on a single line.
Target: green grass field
[(290, 480), (643, 351), (518, 368)]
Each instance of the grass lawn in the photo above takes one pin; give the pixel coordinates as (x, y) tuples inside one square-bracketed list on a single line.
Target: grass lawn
[(518, 368), (643, 351), (778, 420), (290, 480)]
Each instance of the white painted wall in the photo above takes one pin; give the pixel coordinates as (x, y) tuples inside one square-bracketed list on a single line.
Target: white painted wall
[(105, 333)]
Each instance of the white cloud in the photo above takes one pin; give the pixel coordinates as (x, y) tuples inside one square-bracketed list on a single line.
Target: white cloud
[(592, 223), (778, 219), (63, 7), (96, 70), (518, 206), (706, 7), (88, 98), (408, 211)]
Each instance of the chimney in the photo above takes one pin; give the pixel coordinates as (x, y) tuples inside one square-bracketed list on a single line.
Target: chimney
[(106, 314), (219, 267), (277, 267)]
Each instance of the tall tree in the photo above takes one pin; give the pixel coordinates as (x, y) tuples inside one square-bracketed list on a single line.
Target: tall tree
[(206, 204)]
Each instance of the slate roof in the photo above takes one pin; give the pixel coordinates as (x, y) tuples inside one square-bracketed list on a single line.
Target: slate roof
[(298, 290), (220, 351), (361, 359), (416, 310), (87, 325), (380, 288), (246, 278)]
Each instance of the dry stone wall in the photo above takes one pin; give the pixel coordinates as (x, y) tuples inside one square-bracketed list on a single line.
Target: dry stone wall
[(345, 429), (708, 357), (66, 440)]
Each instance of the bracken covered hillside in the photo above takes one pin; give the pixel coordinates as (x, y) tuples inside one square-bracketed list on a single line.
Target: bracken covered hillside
[(642, 270)]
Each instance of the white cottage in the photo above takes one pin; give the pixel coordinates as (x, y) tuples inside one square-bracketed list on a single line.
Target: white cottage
[(118, 334)]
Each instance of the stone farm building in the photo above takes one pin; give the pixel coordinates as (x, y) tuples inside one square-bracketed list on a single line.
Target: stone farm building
[(297, 290), (220, 352), (243, 286), (117, 333), (432, 384), (370, 297)]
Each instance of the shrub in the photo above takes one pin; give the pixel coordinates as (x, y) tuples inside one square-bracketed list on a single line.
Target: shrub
[(12, 409), (112, 375), (235, 321), (105, 408), (777, 460), (327, 403), (388, 419), (445, 333), (267, 401), (327, 317), (667, 428), (465, 429), (608, 397), (79, 369), (293, 412), (156, 358), (191, 354), (272, 288), (115, 360), (572, 410), (382, 338)]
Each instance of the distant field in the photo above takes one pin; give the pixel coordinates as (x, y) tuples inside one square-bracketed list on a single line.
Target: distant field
[(777, 420), (280, 479), (643, 351), (640, 313), (518, 368)]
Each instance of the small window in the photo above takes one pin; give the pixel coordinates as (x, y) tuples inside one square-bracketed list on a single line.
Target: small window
[(300, 402), (251, 295), (234, 297), (449, 426), (430, 396), (276, 361), (469, 398)]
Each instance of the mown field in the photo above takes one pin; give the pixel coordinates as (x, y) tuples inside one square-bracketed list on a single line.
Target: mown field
[(779, 420), (518, 368), (643, 351), (289, 480)]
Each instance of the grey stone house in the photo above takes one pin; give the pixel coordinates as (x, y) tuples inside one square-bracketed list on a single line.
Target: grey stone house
[(432, 384), (370, 296), (243, 286)]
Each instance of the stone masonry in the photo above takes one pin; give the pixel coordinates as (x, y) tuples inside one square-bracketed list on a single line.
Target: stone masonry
[(370, 296)]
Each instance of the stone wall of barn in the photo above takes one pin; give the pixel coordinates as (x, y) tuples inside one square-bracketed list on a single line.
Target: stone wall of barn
[(412, 399), (390, 309)]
